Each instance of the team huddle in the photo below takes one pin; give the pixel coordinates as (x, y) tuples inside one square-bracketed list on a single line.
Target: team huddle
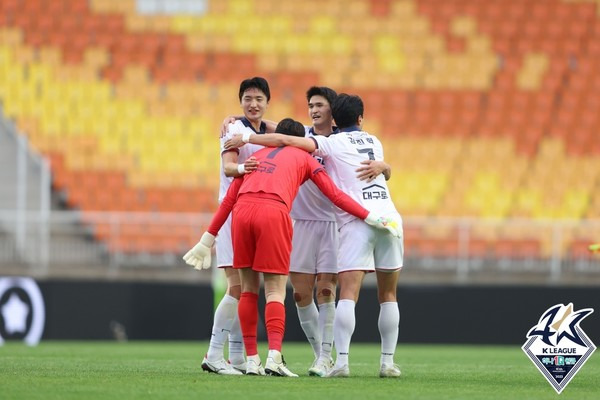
[(308, 202)]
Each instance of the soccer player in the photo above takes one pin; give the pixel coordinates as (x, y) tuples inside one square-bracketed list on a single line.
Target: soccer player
[(313, 260), (254, 95), (362, 249), (262, 237)]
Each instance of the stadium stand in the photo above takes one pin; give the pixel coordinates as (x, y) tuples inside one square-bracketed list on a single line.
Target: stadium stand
[(486, 109)]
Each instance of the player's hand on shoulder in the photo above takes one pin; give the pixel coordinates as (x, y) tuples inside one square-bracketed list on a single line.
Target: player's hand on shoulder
[(230, 119)]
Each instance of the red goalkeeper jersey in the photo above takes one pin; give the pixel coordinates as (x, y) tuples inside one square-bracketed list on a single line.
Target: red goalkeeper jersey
[(280, 172)]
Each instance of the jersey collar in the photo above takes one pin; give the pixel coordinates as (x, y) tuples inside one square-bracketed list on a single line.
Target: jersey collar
[(352, 128), (311, 130), (248, 124)]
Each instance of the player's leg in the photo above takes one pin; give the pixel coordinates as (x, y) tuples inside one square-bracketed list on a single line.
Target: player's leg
[(388, 322), (245, 250), (308, 314), (326, 287), (355, 258), (275, 323), (236, 342), (345, 320), (305, 245), (248, 316), (388, 256), (275, 309), (225, 317), (327, 269), (273, 229)]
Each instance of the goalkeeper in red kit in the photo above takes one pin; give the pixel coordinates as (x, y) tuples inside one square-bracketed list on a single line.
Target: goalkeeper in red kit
[(262, 238)]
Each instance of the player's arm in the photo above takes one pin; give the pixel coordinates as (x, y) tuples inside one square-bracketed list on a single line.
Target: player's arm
[(346, 203), (272, 140), (199, 256), (372, 168), (225, 207), (337, 197), (233, 169), (271, 125)]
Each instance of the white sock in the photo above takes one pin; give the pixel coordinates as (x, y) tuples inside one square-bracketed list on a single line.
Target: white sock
[(225, 314), (343, 328), (309, 321), (326, 316), (236, 342), (389, 319)]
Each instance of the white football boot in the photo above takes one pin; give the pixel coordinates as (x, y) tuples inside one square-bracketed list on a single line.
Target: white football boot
[(220, 367), (389, 370), (321, 367), (275, 365)]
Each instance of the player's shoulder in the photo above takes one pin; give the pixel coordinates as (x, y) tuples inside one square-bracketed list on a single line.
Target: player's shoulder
[(241, 125), (308, 131), (367, 135), (235, 128)]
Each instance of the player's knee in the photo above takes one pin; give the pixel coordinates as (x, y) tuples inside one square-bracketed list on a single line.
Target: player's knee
[(386, 297), (235, 291), (298, 297), (326, 292)]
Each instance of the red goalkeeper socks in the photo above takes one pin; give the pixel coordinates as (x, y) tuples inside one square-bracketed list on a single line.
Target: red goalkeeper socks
[(275, 321), (248, 314)]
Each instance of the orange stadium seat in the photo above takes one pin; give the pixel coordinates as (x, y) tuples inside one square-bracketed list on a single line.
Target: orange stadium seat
[(125, 68)]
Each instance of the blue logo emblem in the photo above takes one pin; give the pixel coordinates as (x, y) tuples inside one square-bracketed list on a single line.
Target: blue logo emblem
[(558, 346)]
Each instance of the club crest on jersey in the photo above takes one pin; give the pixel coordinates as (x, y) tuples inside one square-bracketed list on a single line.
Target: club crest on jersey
[(557, 345), (374, 192)]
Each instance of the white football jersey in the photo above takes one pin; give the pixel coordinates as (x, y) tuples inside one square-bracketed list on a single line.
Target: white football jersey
[(310, 203), (343, 153), (238, 128)]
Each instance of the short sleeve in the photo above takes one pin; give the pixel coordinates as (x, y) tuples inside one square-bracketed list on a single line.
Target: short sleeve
[(233, 129), (324, 144), (378, 150)]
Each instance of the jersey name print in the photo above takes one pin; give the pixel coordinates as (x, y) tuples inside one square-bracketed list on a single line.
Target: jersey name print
[(343, 154)]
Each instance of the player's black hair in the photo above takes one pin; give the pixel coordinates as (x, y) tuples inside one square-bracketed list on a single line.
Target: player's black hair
[(256, 82), (290, 127), (346, 109), (324, 91)]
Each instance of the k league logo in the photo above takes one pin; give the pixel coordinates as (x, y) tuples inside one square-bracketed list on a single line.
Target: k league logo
[(558, 346)]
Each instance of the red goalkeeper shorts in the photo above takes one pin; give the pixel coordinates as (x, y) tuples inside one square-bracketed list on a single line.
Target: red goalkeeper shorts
[(261, 233)]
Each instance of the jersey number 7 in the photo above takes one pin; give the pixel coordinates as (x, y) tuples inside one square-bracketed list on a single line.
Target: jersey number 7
[(368, 151)]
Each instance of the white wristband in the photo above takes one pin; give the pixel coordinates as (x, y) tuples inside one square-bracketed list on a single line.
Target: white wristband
[(246, 136), (241, 168)]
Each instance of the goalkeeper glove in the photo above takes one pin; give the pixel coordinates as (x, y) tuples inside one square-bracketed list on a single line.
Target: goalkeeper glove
[(391, 224), (199, 255)]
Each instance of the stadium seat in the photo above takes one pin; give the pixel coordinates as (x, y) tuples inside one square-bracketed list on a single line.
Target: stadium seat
[(475, 85)]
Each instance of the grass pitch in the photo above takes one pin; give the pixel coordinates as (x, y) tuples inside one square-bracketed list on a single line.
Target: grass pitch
[(171, 370)]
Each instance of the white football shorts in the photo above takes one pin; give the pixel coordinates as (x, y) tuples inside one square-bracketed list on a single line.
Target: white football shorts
[(364, 247), (224, 246), (314, 247)]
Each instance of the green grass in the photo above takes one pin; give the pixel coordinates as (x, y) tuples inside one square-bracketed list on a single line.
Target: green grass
[(171, 370)]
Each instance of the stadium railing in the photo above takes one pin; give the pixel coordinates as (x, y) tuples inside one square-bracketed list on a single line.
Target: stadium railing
[(447, 250)]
